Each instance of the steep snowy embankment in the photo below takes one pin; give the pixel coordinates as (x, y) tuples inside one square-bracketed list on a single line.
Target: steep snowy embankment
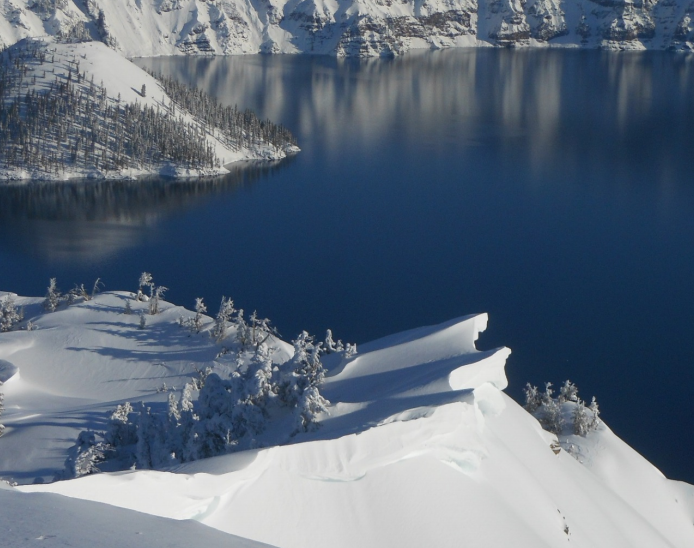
[(351, 27), (56, 522), (421, 446)]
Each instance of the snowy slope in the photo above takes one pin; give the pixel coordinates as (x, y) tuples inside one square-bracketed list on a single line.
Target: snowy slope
[(55, 521), (350, 27), (421, 446)]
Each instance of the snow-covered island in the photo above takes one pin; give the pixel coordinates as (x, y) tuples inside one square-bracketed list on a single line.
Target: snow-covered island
[(178, 417), (82, 110)]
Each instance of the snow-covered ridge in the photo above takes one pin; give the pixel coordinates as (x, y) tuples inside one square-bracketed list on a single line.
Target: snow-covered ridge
[(350, 28), (420, 446)]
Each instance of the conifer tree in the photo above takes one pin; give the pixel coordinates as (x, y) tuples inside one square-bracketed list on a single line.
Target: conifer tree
[(10, 315), (533, 400), (200, 309), (568, 392), (595, 419), (226, 310), (145, 281), (53, 296), (581, 419)]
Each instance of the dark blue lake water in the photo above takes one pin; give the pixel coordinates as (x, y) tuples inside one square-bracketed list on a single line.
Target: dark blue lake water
[(552, 189)]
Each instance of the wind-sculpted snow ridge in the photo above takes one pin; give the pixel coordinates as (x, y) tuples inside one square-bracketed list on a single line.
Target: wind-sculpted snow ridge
[(82, 110), (419, 445), (362, 28)]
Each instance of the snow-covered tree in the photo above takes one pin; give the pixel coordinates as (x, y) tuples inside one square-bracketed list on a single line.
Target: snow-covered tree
[(145, 281), (550, 411), (174, 409), (260, 329), (533, 399), (121, 430), (258, 376), (186, 404), (310, 405), (143, 320), (547, 394), (226, 310), (80, 292), (10, 315), (329, 344), (199, 381), (156, 296), (243, 333), (595, 419), (98, 286), (568, 392), (53, 296), (350, 350), (143, 453), (128, 308), (581, 419), (88, 453), (212, 433), (552, 418), (200, 309), (297, 379)]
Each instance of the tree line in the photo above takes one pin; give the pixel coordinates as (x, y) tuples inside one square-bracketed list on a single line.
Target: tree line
[(241, 129)]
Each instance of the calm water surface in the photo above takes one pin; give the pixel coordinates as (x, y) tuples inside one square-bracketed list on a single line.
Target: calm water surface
[(551, 189)]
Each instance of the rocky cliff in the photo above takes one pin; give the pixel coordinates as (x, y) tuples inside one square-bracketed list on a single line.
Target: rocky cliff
[(350, 28)]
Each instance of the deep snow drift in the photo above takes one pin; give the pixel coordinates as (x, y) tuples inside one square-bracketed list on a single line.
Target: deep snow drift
[(420, 446)]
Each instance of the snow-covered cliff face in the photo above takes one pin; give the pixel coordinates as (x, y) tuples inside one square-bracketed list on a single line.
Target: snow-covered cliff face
[(363, 28)]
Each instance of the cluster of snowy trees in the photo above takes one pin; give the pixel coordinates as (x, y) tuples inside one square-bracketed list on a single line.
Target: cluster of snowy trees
[(553, 412), (156, 293), (241, 129), (264, 400), (75, 124), (10, 315), (229, 414), (54, 297)]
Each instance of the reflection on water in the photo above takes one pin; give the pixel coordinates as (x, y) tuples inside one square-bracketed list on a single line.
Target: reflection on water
[(90, 221), (556, 101), (573, 111)]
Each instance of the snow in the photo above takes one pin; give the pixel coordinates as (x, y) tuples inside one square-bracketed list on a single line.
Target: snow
[(421, 446), (364, 28), (55, 521)]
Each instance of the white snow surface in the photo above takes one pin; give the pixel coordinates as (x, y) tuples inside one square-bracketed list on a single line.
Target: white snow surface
[(421, 447), (57, 522)]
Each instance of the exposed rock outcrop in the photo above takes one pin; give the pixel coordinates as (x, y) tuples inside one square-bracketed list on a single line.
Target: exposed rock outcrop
[(361, 28)]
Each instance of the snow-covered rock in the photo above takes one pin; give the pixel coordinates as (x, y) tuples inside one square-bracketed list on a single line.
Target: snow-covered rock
[(350, 27), (420, 446)]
